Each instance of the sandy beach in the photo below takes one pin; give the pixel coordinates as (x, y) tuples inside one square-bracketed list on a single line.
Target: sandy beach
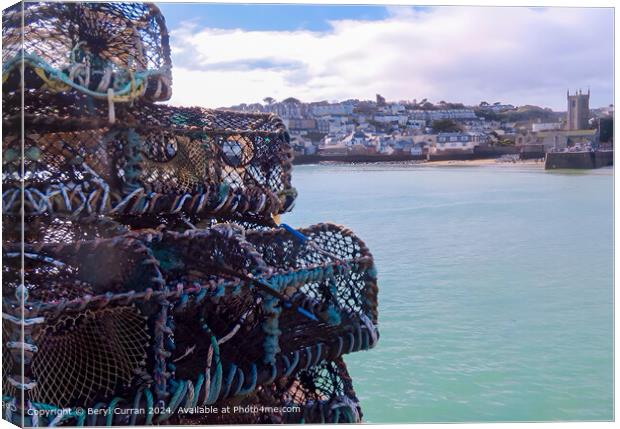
[(485, 162)]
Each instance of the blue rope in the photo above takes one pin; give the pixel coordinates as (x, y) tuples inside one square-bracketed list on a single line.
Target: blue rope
[(136, 406), (252, 386), (365, 339), (351, 342), (336, 415), (340, 343), (308, 358), (111, 406), (319, 349), (229, 379), (149, 406), (199, 382), (178, 396), (216, 382), (37, 61), (293, 365), (92, 421), (358, 331), (298, 235), (240, 380)]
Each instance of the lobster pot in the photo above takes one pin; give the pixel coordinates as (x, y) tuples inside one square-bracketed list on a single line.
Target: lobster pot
[(256, 338), (243, 160), (72, 334), (165, 161), (97, 321), (321, 394), (75, 361), (105, 349), (182, 318), (214, 319), (115, 51), (349, 287)]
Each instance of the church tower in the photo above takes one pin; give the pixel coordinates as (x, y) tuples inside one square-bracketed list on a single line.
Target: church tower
[(578, 111)]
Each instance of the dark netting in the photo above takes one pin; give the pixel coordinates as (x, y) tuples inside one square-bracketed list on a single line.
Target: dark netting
[(10, 365), (57, 272), (324, 393), (148, 166), (196, 298), (328, 245), (116, 51), (321, 394), (155, 276), (90, 356)]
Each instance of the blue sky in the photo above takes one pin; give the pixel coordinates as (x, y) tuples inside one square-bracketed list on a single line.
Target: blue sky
[(267, 17), (225, 54)]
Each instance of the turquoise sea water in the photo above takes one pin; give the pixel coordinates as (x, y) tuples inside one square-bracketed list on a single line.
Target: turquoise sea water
[(496, 288)]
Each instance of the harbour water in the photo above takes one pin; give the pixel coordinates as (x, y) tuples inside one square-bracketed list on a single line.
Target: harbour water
[(496, 288)]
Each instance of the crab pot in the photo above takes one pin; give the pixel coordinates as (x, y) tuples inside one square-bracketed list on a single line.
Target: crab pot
[(156, 161), (98, 48), (157, 315)]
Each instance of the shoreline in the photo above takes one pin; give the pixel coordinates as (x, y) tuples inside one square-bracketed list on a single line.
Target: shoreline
[(481, 162), (486, 162)]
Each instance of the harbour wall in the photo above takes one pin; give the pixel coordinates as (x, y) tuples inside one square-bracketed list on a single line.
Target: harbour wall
[(578, 160), (455, 157), (531, 155), (314, 159)]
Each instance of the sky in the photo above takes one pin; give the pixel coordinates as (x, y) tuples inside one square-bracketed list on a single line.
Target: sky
[(227, 54)]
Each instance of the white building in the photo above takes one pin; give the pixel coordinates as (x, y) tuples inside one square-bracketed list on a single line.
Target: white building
[(392, 119), (435, 115), (397, 108), (324, 109), (461, 142), (546, 126), (416, 124)]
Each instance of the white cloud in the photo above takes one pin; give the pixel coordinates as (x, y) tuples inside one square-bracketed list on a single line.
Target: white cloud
[(466, 54)]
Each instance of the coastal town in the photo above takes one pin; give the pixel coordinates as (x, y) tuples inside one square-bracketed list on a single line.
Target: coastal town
[(376, 130)]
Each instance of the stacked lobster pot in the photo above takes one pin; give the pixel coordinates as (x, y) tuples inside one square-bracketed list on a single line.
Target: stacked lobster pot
[(146, 279)]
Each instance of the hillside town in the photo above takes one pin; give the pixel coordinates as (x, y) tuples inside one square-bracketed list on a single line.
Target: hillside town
[(423, 130)]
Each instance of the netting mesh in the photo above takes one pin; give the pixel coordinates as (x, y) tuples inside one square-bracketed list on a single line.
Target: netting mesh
[(325, 394), (320, 394), (154, 271), (90, 46), (155, 169), (89, 356), (9, 364), (57, 272), (192, 288), (281, 250)]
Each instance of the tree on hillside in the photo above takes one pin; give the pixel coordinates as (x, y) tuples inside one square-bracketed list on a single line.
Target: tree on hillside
[(291, 100), (427, 106), (269, 100), (365, 109), (445, 126), (315, 136)]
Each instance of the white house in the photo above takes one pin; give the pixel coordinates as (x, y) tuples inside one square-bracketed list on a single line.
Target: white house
[(458, 142), (546, 126)]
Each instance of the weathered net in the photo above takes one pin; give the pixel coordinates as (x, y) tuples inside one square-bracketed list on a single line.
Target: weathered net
[(154, 276), (91, 47), (320, 394), (124, 313), (181, 161), (89, 356), (95, 142)]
